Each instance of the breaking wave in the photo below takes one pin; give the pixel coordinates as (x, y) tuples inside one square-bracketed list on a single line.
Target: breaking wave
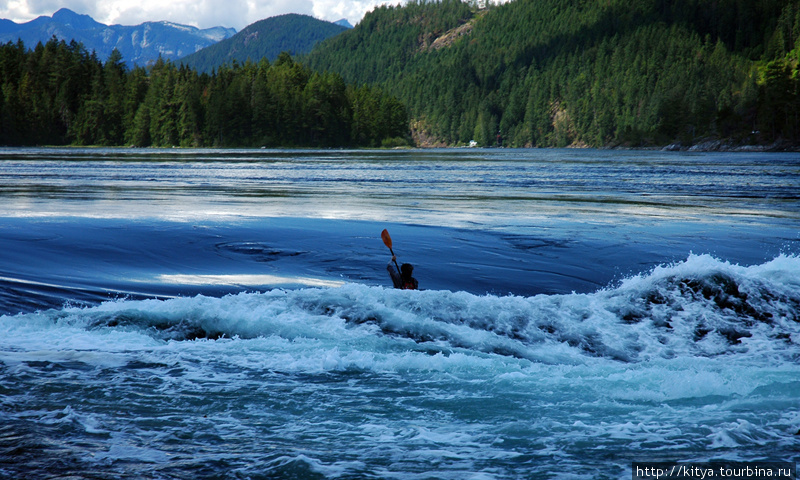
[(700, 307)]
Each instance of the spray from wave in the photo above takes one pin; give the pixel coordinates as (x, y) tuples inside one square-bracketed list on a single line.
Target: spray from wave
[(701, 307)]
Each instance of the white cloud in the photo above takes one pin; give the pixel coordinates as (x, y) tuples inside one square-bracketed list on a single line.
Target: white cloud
[(200, 13), (352, 10)]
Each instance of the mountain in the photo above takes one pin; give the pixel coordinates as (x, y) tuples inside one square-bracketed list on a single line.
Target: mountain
[(140, 44), (566, 73), (292, 33), (343, 22)]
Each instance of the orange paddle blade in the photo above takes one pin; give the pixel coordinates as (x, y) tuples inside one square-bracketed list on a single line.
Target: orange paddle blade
[(387, 240)]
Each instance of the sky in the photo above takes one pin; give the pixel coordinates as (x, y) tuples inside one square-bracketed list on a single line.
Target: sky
[(198, 13)]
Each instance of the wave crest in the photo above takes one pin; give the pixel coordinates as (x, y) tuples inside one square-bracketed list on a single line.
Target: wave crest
[(698, 307)]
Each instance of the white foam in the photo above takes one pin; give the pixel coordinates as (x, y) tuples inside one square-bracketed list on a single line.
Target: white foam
[(371, 328), (123, 451)]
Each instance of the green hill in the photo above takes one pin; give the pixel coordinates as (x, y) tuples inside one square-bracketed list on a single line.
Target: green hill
[(566, 72), (292, 33)]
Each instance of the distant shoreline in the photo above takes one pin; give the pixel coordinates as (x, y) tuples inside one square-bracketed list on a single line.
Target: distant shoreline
[(710, 145), (714, 145)]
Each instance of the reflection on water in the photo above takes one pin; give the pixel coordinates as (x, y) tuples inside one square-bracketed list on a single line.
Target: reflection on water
[(182, 222), (246, 280), (461, 188), (589, 359)]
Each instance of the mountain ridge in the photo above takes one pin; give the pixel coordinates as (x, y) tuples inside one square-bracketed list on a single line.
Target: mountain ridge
[(139, 44), (292, 33)]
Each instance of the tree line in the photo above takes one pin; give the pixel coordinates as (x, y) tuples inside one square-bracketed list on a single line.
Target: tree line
[(565, 72), (58, 93)]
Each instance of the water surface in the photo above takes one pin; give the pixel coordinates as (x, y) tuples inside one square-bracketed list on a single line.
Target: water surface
[(226, 314)]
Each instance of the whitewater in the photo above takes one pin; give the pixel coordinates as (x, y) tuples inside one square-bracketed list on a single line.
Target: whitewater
[(227, 314)]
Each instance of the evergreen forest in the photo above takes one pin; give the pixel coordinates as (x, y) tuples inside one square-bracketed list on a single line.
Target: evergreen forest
[(544, 73), (582, 72), (59, 94)]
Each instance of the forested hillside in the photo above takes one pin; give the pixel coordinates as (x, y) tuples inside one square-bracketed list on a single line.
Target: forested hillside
[(291, 33), (565, 72), (58, 93)]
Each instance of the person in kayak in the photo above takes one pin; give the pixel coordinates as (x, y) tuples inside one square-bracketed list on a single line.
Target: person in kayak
[(404, 279)]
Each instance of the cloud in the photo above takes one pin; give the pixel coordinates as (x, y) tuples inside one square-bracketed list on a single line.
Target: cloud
[(205, 13), (352, 10), (48, 7), (199, 13)]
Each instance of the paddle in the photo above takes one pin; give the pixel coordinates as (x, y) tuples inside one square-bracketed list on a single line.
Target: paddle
[(387, 240)]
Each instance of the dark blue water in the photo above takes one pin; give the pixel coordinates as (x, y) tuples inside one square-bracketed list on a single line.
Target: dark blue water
[(226, 314), (86, 224)]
